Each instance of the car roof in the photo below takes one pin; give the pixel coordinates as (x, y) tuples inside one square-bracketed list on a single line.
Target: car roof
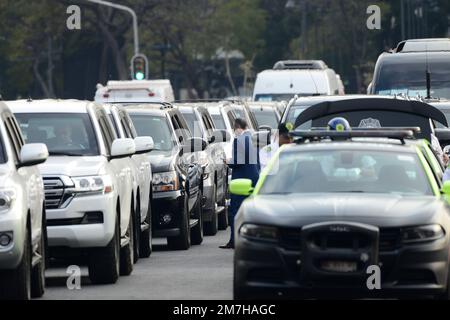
[(151, 109), (49, 106)]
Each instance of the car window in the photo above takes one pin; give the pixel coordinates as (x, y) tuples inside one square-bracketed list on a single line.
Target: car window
[(348, 171), (219, 123), (63, 133), (266, 117), (193, 123), (156, 127)]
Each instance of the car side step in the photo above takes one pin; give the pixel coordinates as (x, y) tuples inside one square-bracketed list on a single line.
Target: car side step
[(145, 226), (193, 223), (37, 258)]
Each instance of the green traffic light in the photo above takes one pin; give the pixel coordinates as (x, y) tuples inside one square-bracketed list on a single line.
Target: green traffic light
[(140, 76)]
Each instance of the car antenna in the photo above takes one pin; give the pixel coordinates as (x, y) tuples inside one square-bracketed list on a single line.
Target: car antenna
[(428, 75)]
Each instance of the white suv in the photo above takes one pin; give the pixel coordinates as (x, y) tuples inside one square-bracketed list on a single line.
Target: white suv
[(142, 173), (22, 213), (88, 183)]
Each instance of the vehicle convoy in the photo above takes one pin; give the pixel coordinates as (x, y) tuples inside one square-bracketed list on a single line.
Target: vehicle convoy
[(177, 204), (405, 70), (215, 183), (23, 237), (290, 78), (142, 177), (357, 201), (135, 91), (88, 183)]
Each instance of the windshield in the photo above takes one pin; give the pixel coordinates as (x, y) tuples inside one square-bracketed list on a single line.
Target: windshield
[(218, 121), (193, 124), (156, 127), (266, 117), (348, 171), (410, 79), (67, 134), (293, 114)]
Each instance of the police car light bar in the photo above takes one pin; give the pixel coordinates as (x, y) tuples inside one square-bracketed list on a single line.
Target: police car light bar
[(345, 135), (415, 130)]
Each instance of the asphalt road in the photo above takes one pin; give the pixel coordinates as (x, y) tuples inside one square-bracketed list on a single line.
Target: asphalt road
[(203, 272)]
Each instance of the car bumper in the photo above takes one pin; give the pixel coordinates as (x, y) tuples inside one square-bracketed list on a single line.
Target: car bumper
[(167, 204), (266, 270), (66, 228), (11, 255)]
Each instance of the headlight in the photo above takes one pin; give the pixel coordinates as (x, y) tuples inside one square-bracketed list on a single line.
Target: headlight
[(95, 184), (7, 197), (259, 232), (166, 181), (423, 233)]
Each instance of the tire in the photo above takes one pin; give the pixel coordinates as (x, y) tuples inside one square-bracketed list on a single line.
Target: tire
[(137, 232), (104, 262), (183, 240), (127, 252), (145, 248), (38, 272), (211, 227), (197, 231), (16, 284)]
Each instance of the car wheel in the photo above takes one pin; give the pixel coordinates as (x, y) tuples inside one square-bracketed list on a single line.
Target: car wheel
[(127, 252), (211, 227), (183, 240), (16, 284), (145, 248), (104, 262), (197, 231), (137, 233), (38, 272)]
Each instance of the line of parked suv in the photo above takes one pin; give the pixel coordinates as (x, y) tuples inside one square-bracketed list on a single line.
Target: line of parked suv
[(97, 182)]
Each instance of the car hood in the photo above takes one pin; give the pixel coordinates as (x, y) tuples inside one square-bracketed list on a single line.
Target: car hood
[(73, 166), (163, 161), (378, 210)]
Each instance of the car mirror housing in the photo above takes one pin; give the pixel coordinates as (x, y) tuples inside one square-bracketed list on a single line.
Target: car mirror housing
[(144, 144), (122, 148), (241, 187), (195, 145), (33, 154)]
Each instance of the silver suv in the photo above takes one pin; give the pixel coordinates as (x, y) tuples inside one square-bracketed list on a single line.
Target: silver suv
[(88, 183), (22, 213)]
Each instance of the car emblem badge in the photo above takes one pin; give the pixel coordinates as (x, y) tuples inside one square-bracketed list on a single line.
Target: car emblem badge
[(370, 123)]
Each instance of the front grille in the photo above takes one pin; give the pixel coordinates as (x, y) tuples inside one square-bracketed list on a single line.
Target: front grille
[(56, 195), (333, 240), (290, 238), (390, 239)]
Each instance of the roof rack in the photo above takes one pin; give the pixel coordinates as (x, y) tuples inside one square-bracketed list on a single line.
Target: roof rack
[(208, 101), (315, 136), (300, 65)]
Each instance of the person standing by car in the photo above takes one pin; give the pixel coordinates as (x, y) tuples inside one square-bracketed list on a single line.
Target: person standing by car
[(281, 138), (244, 164)]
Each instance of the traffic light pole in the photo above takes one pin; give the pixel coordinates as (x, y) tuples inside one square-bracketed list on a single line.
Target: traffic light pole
[(133, 14)]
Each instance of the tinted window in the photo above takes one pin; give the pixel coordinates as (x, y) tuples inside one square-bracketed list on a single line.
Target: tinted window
[(218, 121), (348, 171), (156, 127), (64, 134), (193, 124), (266, 117)]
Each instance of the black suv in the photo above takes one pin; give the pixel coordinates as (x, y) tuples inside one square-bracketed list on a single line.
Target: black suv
[(215, 181), (177, 177)]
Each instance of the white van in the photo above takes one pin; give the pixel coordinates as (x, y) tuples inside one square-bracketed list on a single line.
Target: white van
[(290, 78), (135, 91)]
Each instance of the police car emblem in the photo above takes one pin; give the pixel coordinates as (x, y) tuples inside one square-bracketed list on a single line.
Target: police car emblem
[(370, 123)]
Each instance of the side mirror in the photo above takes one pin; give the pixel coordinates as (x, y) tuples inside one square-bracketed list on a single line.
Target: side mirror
[(144, 144), (33, 154), (241, 187), (195, 145), (221, 136), (122, 148)]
